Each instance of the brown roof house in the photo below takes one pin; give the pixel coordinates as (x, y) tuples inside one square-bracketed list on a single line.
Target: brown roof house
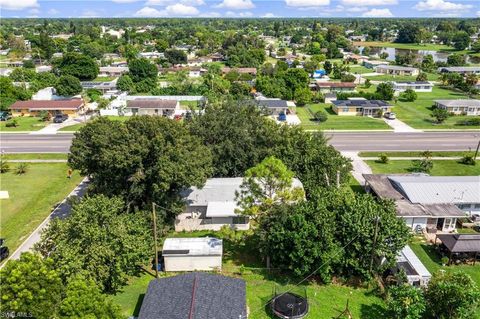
[(329, 87), (71, 107)]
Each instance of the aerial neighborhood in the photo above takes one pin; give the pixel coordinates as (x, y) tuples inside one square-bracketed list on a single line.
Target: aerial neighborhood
[(177, 163)]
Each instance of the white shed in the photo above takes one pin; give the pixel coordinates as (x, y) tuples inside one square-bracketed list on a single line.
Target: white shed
[(190, 254)]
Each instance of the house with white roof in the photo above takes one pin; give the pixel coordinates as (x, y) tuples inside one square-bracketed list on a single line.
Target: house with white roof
[(191, 254), (428, 202), (396, 70), (417, 86), (417, 274), (458, 107)]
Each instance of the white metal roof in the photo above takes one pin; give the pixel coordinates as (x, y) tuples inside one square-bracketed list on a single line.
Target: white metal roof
[(221, 209), (439, 189), (198, 246), (460, 102), (409, 256)]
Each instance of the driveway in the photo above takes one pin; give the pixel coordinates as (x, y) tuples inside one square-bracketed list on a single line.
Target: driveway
[(359, 166), (400, 127), (53, 128)]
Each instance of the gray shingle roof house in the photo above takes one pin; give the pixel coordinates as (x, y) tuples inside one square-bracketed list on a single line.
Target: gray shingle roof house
[(396, 70), (465, 106), (360, 106), (273, 106), (460, 69), (195, 295), (427, 201)]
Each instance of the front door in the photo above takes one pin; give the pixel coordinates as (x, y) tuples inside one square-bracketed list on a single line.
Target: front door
[(440, 223)]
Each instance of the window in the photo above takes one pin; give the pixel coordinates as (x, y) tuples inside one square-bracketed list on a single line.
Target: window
[(476, 206), (345, 109), (240, 220)]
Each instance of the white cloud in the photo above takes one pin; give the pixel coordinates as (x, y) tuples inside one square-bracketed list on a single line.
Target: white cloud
[(34, 11), (369, 2), (53, 11), (236, 4), (478, 13), (268, 15), (356, 9), (211, 14), (18, 4), (173, 10), (245, 14), (89, 14), (440, 5), (307, 3), (378, 13)]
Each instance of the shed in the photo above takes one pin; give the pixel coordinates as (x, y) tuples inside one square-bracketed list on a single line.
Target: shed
[(417, 273), (190, 254), (461, 243)]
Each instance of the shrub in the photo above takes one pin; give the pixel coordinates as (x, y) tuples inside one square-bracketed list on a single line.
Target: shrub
[(4, 166), (422, 166), (21, 168), (321, 116), (470, 122), (44, 116), (13, 123), (468, 160), (383, 158), (409, 95), (444, 260)]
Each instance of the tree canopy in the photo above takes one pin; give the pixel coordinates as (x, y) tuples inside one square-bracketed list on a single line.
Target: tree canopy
[(78, 65)]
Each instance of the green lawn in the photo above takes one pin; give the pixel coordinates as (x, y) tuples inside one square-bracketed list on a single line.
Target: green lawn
[(406, 46), (440, 168), (35, 156), (418, 113), (76, 127), (387, 77), (325, 301), (359, 69), (104, 79), (25, 123), (32, 197), (414, 154), (336, 122)]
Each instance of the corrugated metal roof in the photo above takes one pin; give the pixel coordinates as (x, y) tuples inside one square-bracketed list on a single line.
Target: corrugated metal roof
[(409, 256), (461, 243), (439, 189), (221, 209), (460, 102), (201, 246)]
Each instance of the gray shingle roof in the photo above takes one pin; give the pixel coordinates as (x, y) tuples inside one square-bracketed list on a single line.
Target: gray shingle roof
[(152, 104), (273, 103), (205, 296), (361, 103), (461, 243), (459, 69), (396, 67), (456, 103)]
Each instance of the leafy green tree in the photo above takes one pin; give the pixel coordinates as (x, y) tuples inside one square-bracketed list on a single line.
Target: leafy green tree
[(78, 65), (321, 116), (68, 85), (456, 59), (385, 91), (428, 64), (43, 80), (31, 285), (409, 95), (93, 49), (476, 46), (22, 75), (303, 96), (83, 299), (452, 295), (295, 79), (175, 56), (461, 40), (93, 241), (406, 302), (409, 33), (28, 64), (422, 76), (440, 115), (145, 159), (142, 69), (268, 183), (328, 67)]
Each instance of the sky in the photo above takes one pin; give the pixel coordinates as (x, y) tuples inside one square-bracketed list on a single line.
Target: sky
[(238, 8)]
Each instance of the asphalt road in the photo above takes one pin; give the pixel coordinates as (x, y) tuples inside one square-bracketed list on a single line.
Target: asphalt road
[(358, 141)]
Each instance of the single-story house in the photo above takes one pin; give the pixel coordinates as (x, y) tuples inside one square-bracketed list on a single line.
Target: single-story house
[(371, 64), (396, 70), (43, 68), (417, 86), (427, 202), (273, 106), (151, 106), (192, 254), (101, 86), (461, 244), (193, 71), (464, 70), (71, 107), (251, 71), (417, 274), (330, 97), (356, 57), (112, 70), (195, 295), (467, 106), (151, 55), (328, 87), (360, 107), (217, 57)]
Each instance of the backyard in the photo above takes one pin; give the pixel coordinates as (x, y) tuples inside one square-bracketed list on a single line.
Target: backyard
[(25, 123), (440, 168), (326, 301), (387, 77), (406, 46), (32, 196), (418, 113), (336, 122)]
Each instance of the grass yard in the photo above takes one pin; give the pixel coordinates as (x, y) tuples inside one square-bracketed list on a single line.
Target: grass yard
[(359, 69), (104, 79), (326, 301), (387, 77), (187, 105), (336, 122), (76, 127), (418, 113), (25, 123), (33, 195), (35, 156), (406, 46), (415, 154), (440, 168)]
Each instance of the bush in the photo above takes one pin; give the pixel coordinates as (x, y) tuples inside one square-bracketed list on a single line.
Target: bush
[(409, 95), (4, 166), (321, 116), (444, 260), (13, 123), (22, 168), (422, 166), (470, 122), (44, 116), (468, 160), (383, 158)]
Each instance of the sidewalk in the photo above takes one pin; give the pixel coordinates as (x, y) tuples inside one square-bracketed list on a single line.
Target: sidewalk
[(435, 158), (54, 127), (400, 127), (61, 211), (359, 166)]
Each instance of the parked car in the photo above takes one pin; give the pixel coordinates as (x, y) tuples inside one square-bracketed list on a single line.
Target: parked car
[(5, 116), (390, 115), (4, 251), (282, 117), (60, 118)]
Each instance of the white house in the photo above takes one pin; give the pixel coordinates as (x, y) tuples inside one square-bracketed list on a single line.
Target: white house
[(466, 106), (192, 254), (464, 70), (371, 64), (417, 86), (396, 70), (151, 106), (417, 274), (112, 70)]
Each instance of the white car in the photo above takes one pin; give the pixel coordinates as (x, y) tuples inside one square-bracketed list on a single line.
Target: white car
[(390, 115)]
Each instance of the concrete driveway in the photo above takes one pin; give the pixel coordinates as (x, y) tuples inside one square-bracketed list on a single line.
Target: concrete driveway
[(400, 127)]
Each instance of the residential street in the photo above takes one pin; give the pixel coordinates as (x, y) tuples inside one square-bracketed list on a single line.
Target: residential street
[(379, 141)]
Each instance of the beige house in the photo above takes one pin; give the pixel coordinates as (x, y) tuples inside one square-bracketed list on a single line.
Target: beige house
[(396, 70), (192, 254), (152, 106), (360, 107), (329, 87), (113, 71), (71, 107), (458, 107)]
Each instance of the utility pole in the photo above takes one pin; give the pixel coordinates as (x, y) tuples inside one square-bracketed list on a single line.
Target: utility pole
[(476, 151), (377, 219), (155, 238)]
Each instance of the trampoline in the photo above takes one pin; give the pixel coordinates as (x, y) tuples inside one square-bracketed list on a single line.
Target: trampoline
[(289, 305)]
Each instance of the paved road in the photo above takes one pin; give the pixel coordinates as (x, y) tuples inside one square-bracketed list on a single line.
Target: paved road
[(358, 141)]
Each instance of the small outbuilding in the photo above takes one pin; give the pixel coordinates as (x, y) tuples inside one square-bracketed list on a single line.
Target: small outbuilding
[(190, 254), (461, 246)]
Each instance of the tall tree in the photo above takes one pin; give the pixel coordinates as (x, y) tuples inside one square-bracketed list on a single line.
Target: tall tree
[(68, 85), (78, 65), (406, 302)]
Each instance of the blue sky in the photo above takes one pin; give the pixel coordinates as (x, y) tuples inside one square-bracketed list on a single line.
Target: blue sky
[(239, 8)]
